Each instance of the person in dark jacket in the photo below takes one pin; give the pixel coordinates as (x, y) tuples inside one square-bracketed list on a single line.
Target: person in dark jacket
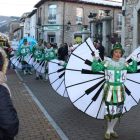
[(101, 50), (61, 53), (9, 122), (66, 52)]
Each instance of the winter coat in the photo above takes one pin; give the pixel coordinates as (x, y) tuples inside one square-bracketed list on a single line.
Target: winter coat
[(101, 50), (9, 122), (61, 53), (66, 50)]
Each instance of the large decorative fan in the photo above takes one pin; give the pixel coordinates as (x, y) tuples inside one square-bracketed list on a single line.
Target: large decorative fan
[(16, 60), (85, 88), (40, 66), (29, 59), (56, 77)]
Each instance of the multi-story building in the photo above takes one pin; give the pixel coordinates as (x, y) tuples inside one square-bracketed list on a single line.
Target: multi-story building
[(62, 21), (131, 25), (14, 24), (32, 17), (18, 34)]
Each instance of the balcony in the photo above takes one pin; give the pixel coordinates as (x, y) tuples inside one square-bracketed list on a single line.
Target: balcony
[(52, 19), (39, 21)]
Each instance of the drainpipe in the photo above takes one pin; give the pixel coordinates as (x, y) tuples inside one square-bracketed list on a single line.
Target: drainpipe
[(63, 21), (113, 20)]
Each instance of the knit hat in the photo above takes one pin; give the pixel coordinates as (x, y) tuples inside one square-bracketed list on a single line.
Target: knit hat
[(40, 40), (25, 40), (117, 46)]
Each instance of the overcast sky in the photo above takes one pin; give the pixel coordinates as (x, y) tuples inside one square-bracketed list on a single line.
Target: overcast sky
[(18, 7)]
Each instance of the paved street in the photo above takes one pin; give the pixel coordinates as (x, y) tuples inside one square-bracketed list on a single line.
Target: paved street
[(33, 124), (75, 124)]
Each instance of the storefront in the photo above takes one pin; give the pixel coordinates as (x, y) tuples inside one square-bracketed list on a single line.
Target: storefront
[(51, 33)]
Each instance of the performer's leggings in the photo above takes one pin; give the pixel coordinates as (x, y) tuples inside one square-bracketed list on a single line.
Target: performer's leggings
[(25, 65)]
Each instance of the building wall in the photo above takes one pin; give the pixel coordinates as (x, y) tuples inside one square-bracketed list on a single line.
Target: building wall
[(130, 35), (27, 27), (70, 15), (17, 35), (33, 26), (13, 26)]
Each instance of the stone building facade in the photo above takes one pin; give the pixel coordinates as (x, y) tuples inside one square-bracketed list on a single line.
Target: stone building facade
[(130, 25), (66, 11), (14, 24)]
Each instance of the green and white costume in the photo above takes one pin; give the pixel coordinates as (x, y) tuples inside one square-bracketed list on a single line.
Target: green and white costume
[(115, 76), (24, 50), (37, 51), (48, 54)]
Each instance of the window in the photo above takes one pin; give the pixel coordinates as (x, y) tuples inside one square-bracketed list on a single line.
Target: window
[(40, 12), (101, 13), (52, 14), (79, 16), (119, 20)]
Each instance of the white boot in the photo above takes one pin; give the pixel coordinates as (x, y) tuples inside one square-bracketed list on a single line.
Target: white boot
[(108, 128), (107, 134), (24, 72), (47, 76), (113, 122)]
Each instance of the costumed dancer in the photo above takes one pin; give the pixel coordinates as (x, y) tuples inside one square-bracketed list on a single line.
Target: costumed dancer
[(23, 51), (115, 69), (37, 54), (48, 54)]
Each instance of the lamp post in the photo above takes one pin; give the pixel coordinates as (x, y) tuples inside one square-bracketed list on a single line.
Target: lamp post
[(90, 16), (68, 26)]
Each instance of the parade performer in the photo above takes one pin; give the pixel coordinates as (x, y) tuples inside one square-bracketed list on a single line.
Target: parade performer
[(37, 54), (115, 69), (23, 51), (102, 90), (48, 54)]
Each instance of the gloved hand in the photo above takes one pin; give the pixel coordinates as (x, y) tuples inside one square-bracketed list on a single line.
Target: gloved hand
[(96, 55), (38, 61), (61, 63), (134, 57)]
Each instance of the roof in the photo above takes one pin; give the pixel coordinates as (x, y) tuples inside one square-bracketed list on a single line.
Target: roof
[(32, 13), (106, 2), (15, 19), (17, 29), (109, 3)]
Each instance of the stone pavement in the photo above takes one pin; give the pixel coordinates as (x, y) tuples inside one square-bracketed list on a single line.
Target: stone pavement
[(33, 124), (75, 124)]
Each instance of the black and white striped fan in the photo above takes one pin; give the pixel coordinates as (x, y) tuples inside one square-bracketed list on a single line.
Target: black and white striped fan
[(29, 59), (56, 77), (40, 66), (132, 84), (16, 60), (85, 88)]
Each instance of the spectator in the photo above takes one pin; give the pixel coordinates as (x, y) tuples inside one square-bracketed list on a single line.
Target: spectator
[(61, 53), (10, 53), (55, 48), (95, 43), (101, 50), (9, 122), (66, 52), (69, 49)]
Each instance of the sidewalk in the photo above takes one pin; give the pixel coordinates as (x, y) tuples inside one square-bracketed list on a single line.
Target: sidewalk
[(33, 123)]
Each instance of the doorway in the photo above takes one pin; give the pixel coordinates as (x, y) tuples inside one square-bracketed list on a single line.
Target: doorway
[(51, 39)]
